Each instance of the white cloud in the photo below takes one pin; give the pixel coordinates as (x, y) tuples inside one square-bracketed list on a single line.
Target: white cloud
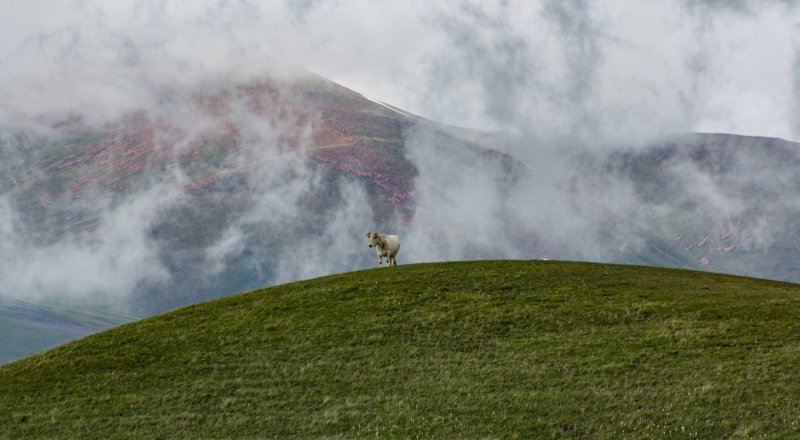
[(668, 66)]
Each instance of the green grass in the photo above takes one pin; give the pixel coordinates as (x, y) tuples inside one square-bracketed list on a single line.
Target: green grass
[(499, 349)]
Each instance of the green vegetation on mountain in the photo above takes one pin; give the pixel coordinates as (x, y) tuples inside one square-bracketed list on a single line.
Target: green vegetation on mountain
[(496, 349)]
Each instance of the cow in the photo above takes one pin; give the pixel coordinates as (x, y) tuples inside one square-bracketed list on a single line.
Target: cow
[(386, 246)]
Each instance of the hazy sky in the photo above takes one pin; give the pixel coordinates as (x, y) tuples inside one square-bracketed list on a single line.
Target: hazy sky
[(583, 67)]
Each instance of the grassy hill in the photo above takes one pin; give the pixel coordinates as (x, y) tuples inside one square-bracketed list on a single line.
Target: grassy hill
[(496, 349)]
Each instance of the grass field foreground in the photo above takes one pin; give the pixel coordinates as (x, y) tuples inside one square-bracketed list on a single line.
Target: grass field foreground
[(484, 349)]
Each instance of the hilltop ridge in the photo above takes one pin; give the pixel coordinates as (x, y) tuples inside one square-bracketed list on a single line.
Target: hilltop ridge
[(512, 349)]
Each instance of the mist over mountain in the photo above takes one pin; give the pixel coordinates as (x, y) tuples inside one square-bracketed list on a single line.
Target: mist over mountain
[(717, 202), (275, 180), (155, 154)]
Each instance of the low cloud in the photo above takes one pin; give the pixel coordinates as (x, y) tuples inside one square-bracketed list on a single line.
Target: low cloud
[(105, 267)]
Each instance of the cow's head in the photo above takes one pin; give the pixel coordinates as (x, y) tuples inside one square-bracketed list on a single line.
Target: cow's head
[(373, 238)]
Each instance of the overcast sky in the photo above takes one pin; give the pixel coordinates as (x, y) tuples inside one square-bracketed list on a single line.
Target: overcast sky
[(550, 66)]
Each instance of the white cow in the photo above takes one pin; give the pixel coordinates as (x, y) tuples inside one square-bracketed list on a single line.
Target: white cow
[(386, 246)]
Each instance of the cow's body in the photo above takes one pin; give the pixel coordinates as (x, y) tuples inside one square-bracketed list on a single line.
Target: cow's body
[(386, 246)]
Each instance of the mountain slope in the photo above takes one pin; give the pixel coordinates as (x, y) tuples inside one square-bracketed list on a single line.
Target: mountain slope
[(507, 349), (720, 202), (29, 327), (304, 141), (212, 193)]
